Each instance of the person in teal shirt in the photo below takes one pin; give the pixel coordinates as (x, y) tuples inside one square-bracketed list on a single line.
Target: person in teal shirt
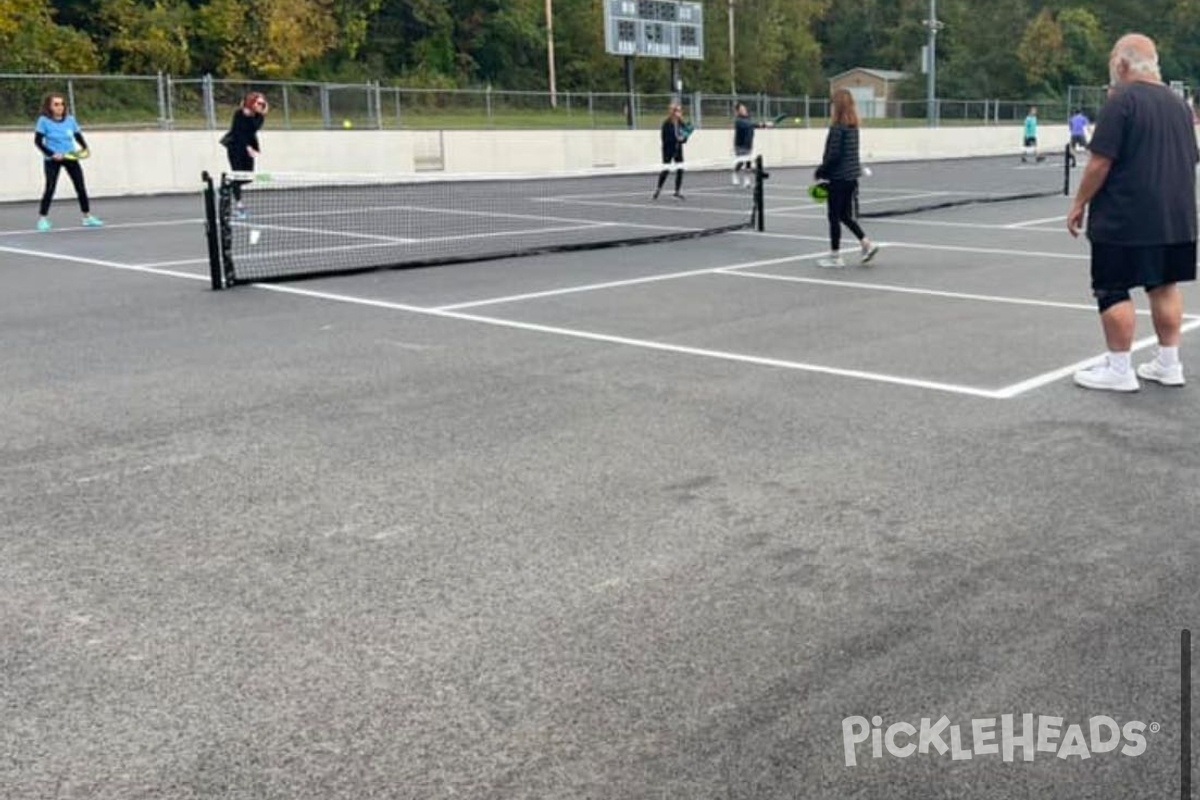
[(1031, 136), (58, 136)]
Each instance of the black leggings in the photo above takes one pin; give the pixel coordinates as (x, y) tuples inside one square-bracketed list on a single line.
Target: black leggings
[(75, 172), (239, 161), (841, 210), (662, 176)]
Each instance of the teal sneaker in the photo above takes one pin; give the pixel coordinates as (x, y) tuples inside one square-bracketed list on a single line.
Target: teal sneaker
[(92, 222), (44, 224)]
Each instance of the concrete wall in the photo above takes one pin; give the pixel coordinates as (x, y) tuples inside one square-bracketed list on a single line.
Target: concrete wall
[(156, 162)]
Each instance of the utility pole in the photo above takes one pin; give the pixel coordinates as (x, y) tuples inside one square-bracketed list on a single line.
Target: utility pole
[(732, 67), (931, 64), (550, 51)]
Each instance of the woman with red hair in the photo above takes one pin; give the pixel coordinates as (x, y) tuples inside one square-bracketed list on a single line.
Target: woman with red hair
[(241, 142)]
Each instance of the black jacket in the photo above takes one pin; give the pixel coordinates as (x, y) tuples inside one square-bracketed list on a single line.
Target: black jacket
[(840, 162), (243, 132), (672, 141)]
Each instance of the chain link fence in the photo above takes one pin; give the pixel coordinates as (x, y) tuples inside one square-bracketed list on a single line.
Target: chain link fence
[(169, 103)]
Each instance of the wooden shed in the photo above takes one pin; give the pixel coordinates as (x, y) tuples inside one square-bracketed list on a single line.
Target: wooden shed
[(872, 88)]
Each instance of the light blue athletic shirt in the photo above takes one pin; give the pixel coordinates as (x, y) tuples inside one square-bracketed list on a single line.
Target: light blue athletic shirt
[(1031, 127), (60, 135)]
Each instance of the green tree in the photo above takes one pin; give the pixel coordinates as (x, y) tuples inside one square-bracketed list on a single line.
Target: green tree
[(143, 38), (1042, 51), (1086, 48), (31, 41), (266, 38), (978, 41)]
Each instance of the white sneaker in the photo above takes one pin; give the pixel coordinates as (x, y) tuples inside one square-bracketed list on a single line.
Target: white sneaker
[(869, 253), (1167, 376), (734, 179), (1102, 376), (831, 263)]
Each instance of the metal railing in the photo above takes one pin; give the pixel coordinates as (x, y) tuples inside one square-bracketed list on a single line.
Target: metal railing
[(169, 103)]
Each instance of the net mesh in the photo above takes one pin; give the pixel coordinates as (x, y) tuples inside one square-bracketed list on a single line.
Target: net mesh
[(895, 188), (301, 226)]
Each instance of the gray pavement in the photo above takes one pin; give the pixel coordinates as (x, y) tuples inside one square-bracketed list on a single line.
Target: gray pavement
[(482, 531)]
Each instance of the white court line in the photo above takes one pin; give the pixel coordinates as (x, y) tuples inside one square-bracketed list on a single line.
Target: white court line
[(96, 262), (1038, 381), (620, 283), (883, 287), (1058, 218), (928, 223), (922, 246), (249, 255), (646, 344), (670, 205), (1005, 393), (321, 232), (107, 226)]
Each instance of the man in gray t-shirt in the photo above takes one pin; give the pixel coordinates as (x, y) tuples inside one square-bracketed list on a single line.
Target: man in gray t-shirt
[(1139, 193)]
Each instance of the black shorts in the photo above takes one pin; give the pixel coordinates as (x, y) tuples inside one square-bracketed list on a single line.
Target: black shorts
[(1031, 141), (1116, 267)]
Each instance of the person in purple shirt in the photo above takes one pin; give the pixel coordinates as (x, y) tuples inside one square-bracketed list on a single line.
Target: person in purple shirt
[(1079, 125)]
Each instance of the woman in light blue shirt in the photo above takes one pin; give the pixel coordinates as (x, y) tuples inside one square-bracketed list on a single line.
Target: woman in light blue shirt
[(61, 141)]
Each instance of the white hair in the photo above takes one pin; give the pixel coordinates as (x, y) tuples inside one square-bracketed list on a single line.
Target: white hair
[(1137, 60)]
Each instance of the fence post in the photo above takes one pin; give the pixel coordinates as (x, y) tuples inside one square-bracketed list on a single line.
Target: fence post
[(71, 96), (326, 117), (591, 109), (162, 102), (697, 114), (807, 115), (210, 102), (487, 99)]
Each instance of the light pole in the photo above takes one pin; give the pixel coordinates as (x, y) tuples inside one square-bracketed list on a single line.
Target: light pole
[(931, 65), (550, 51), (732, 68)]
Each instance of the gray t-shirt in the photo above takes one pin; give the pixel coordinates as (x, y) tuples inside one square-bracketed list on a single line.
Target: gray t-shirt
[(1149, 197)]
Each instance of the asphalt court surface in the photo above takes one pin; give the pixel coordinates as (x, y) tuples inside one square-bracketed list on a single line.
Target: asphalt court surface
[(648, 522)]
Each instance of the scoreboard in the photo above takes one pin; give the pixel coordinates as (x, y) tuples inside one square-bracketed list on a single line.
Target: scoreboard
[(658, 28)]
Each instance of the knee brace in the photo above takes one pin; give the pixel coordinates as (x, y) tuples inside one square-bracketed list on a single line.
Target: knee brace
[(1107, 298)]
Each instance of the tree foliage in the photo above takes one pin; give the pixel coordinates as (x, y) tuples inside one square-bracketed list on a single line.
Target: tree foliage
[(993, 49), (31, 40)]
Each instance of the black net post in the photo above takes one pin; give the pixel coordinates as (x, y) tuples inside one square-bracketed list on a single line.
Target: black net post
[(760, 175), (1068, 162), (225, 230), (212, 234)]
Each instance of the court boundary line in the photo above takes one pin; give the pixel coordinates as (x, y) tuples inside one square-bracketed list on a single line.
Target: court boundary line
[(1007, 392), (884, 287), (97, 262), (614, 284), (645, 344)]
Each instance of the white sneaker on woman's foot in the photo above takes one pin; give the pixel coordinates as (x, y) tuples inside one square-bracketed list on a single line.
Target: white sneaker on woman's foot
[(833, 262)]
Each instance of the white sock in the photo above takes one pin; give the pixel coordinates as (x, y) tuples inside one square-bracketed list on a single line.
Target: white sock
[(1119, 362), (1168, 356)]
